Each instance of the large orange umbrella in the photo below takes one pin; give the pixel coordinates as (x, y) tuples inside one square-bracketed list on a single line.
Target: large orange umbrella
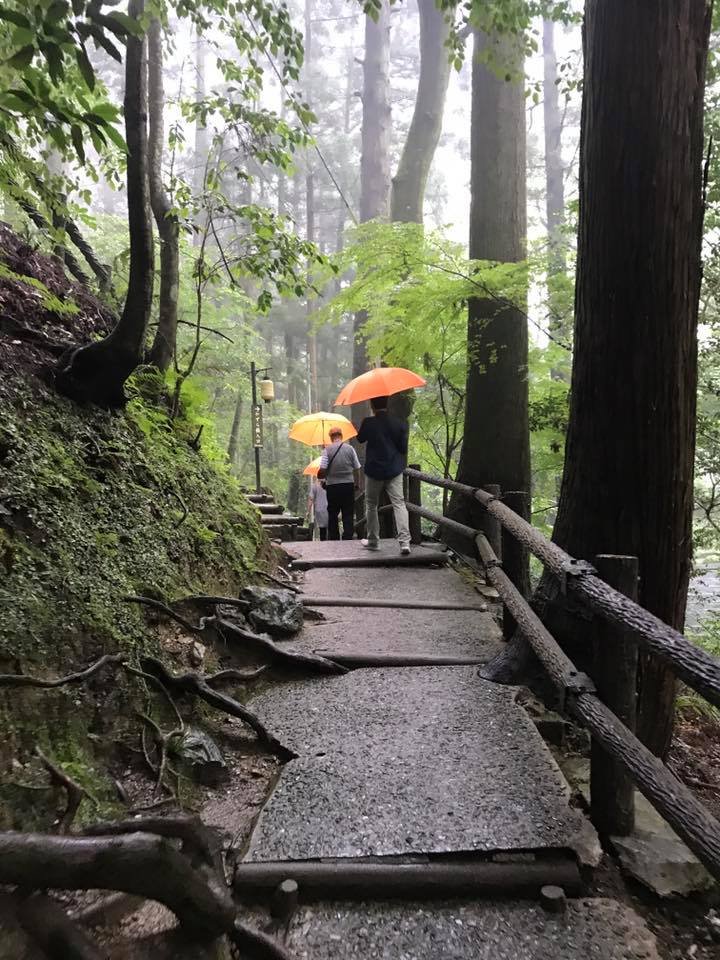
[(311, 470), (314, 429), (380, 382)]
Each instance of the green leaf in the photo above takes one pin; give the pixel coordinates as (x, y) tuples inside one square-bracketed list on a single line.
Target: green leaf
[(86, 68), (102, 41), (57, 11), (105, 111), (12, 16), (116, 138), (76, 136), (54, 57), (23, 57), (126, 24)]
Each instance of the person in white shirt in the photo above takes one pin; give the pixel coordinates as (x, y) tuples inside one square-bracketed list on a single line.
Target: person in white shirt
[(340, 471)]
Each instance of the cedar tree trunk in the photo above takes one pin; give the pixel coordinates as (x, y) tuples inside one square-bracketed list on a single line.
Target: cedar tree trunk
[(496, 444), (627, 485), (97, 373), (163, 348), (408, 185)]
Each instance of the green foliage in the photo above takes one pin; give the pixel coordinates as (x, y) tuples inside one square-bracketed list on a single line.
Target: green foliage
[(415, 286), (47, 299)]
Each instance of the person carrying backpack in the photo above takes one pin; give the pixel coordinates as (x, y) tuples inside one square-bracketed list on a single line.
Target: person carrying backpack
[(340, 472), (385, 461)]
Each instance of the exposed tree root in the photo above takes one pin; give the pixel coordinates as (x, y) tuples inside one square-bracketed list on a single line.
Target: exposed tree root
[(141, 864), (278, 656), (75, 793), (197, 685), (162, 745), (132, 857), (255, 945), (241, 676), (22, 680), (47, 924)]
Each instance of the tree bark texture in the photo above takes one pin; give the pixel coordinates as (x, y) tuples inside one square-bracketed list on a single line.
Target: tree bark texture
[(97, 373), (375, 145), (554, 183), (163, 348), (628, 478), (202, 139), (408, 185), (234, 441), (496, 445)]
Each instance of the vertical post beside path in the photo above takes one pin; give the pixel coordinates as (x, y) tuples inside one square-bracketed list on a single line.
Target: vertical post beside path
[(489, 525), (414, 495), (515, 554), (615, 657)]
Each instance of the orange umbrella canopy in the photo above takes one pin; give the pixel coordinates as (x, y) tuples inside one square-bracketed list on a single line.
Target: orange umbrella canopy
[(314, 429), (311, 470), (380, 382)]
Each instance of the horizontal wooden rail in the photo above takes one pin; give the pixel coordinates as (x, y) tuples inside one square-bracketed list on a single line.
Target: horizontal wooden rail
[(696, 668), (673, 800)]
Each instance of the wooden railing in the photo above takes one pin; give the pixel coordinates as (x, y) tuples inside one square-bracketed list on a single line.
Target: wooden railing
[(605, 702)]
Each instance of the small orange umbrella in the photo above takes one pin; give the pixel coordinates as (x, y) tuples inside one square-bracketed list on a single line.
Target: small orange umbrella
[(314, 429), (311, 470), (380, 382)]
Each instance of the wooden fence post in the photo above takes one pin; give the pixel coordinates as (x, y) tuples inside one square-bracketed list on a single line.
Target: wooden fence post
[(615, 657), (515, 555), (489, 525), (414, 495)]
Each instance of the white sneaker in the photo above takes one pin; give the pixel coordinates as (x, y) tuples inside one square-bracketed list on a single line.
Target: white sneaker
[(370, 544), (404, 550)]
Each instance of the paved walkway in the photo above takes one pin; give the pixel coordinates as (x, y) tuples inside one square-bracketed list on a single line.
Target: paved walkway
[(422, 765)]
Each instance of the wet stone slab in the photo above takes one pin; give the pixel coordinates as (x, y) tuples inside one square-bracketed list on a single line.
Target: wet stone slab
[(589, 930), (418, 760), (341, 550), (368, 630)]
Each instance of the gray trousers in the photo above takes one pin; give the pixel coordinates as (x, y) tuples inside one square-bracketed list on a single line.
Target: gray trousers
[(373, 490)]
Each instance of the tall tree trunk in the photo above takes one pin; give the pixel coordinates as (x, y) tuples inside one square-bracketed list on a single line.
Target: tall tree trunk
[(496, 445), (408, 185), (163, 348), (235, 430), (554, 185), (97, 373), (202, 137), (627, 485), (375, 145), (310, 211)]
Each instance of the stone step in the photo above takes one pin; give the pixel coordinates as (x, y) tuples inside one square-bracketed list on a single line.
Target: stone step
[(260, 497), (265, 508), (281, 518)]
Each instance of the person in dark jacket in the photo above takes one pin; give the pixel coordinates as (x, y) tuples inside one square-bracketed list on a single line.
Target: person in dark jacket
[(385, 458)]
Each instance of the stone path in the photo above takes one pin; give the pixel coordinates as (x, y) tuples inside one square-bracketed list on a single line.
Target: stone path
[(403, 765)]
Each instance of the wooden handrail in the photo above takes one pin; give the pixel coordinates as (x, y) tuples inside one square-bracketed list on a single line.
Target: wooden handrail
[(694, 666)]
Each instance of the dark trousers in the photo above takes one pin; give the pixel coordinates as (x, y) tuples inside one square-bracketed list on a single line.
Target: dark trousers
[(323, 533), (341, 499)]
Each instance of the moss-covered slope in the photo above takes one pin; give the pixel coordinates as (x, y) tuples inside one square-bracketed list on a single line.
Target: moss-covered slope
[(95, 506)]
